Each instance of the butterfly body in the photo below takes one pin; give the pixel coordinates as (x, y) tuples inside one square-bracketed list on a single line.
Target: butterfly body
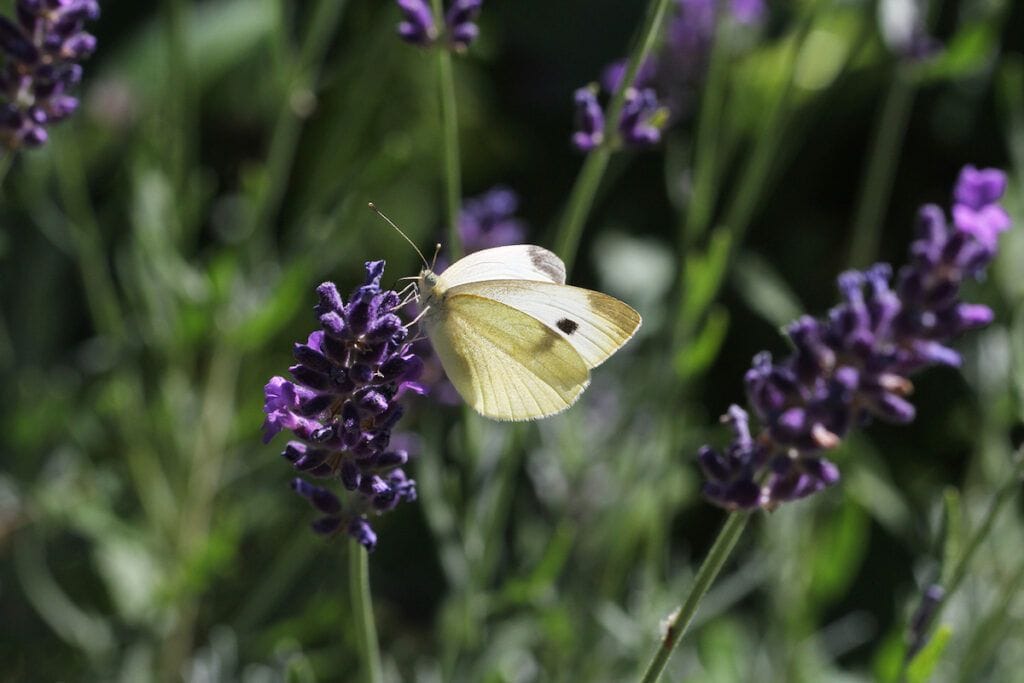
[(516, 341)]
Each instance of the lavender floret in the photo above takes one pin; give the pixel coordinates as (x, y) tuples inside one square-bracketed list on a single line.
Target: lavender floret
[(854, 364), (343, 403), (418, 26), (489, 220), (665, 80), (41, 52)]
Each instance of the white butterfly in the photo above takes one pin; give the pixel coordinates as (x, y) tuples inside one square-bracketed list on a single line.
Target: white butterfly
[(515, 340)]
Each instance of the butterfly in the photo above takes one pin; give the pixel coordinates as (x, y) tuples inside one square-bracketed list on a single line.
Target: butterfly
[(515, 340)]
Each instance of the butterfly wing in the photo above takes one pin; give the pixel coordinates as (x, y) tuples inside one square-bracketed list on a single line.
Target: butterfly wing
[(515, 262), (595, 324), (504, 363)]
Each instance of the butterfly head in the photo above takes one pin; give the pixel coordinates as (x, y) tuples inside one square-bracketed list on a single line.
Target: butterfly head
[(426, 286)]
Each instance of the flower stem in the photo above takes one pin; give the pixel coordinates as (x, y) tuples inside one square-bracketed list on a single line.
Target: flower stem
[(362, 610), (581, 199), (678, 622), (301, 78), (707, 140), (752, 184), (881, 169), (450, 137)]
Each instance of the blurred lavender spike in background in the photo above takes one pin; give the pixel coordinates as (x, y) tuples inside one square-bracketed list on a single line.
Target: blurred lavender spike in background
[(41, 52), (854, 363), (460, 21), (344, 403), (489, 220), (589, 120), (418, 25)]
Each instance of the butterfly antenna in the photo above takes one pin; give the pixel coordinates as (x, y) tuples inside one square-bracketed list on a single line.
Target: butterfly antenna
[(373, 207), (433, 261)]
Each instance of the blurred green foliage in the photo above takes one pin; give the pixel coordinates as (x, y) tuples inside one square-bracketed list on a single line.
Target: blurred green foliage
[(160, 255)]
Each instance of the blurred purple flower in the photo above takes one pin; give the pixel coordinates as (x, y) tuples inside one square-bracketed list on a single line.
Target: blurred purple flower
[(642, 118), (417, 25), (663, 81), (855, 362), (488, 220), (343, 404), (589, 120), (419, 28), (461, 22), (41, 50)]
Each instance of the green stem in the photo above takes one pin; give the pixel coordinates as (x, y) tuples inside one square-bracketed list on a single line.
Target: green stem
[(362, 610), (452, 172), (708, 144), (298, 96), (581, 199), (179, 103), (678, 622), (450, 140), (100, 293), (1002, 497), (752, 181), (880, 172)]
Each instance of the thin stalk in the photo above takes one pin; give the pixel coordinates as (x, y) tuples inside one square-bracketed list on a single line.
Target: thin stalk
[(179, 107), (880, 172), (100, 293), (708, 144), (581, 199), (362, 609), (752, 181), (678, 622), (450, 141), (1002, 497), (284, 139)]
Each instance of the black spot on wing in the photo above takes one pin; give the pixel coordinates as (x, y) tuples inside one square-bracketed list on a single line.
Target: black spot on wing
[(567, 326)]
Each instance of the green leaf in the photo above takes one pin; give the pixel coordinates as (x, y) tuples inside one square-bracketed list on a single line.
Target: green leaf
[(764, 290), (889, 658), (702, 351), (840, 543), (967, 53), (704, 274), (922, 666), (953, 541)]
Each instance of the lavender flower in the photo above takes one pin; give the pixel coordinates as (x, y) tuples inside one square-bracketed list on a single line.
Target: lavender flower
[(665, 80), (589, 120), (418, 26), (854, 364), (488, 220), (42, 50), (461, 22), (343, 404)]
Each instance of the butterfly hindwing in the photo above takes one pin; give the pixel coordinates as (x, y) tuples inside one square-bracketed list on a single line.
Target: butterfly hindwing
[(514, 262), (504, 363), (595, 324)]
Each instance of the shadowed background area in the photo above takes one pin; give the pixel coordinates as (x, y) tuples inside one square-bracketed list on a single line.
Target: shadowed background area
[(160, 254)]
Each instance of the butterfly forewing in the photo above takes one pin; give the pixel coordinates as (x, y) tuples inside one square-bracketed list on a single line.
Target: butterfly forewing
[(515, 262), (506, 364), (595, 324)]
